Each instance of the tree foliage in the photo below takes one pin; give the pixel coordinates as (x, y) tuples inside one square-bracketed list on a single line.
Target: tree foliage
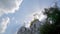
[(52, 24)]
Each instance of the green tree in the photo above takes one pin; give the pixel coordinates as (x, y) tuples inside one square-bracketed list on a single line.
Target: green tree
[(52, 24)]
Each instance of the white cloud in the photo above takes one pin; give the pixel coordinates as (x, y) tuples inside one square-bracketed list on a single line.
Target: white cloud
[(39, 15), (9, 6), (3, 25)]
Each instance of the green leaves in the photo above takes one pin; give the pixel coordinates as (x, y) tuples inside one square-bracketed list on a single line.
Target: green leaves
[(53, 14)]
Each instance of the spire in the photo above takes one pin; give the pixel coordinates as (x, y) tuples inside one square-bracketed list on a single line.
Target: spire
[(36, 16)]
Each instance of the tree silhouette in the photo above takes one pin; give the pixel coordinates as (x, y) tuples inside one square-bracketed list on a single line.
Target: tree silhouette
[(52, 24)]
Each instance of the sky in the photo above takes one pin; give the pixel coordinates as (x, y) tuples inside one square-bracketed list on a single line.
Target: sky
[(16, 13)]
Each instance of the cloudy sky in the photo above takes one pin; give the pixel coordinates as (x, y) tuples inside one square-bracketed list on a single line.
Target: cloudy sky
[(15, 13)]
